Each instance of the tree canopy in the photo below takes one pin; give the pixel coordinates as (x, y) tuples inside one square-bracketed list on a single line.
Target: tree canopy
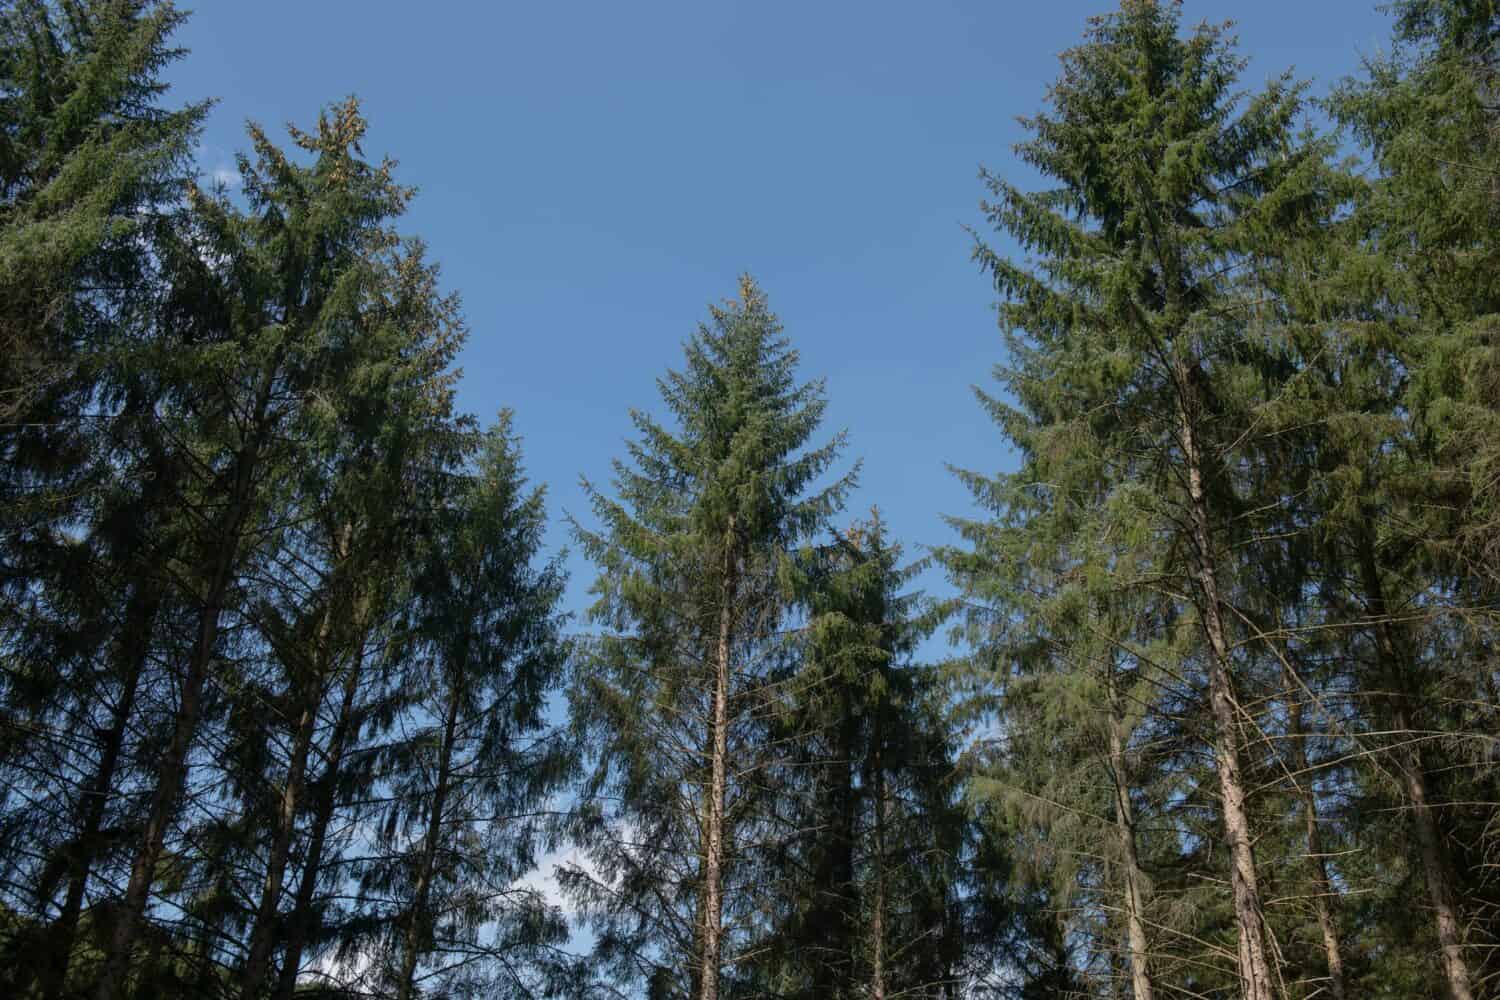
[(292, 704)]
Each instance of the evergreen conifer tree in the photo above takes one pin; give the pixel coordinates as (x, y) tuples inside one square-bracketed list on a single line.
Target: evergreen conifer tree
[(89, 160), (674, 695), (471, 779), (390, 437), (1410, 480), (868, 873), (92, 165), (1137, 363), (265, 323)]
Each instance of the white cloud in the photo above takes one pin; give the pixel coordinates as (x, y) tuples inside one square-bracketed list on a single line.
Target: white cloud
[(327, 970), (543, 878)]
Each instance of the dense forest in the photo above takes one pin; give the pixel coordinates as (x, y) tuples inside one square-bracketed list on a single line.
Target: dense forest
[(290, 706)]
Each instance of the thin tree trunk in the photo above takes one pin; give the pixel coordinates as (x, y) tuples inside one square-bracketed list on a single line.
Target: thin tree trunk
[(1435, 867), (164, 806), (713, 901), (262, 934), (695, 972), (1317, 864), (172, 775), (1408, 757), (843, 868), (1254, 965), (140, 615), (1135, 895), (878, 987), (324, 657), (835, 909), (134, 652), (300, 920), (418, 926)]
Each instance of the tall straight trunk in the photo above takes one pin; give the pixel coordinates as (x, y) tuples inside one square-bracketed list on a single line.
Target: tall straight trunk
[(835, 910), (1254, 966), (419, 923), (171, 777), (878, 989), (262, 933), (133, 652), (1135, 893), (1317, 865), (172, 771), (695, 972), (1435, 864), (324, 657), (713, 860), (842, 889), (135, 648), (300, 919)]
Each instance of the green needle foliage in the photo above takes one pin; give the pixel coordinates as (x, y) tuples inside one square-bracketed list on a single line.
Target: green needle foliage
[(678, 692), (287, 707), (1142, 362), (89, 164), (871, 872), (243, 524), (470, 780)]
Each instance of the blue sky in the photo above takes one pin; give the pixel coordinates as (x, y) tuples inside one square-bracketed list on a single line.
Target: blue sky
[(593, 174)]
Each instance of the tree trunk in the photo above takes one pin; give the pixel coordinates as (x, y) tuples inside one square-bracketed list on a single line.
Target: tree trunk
[(1135, 895), (713, 901), (134, 652), (1254, 965), (1317, 864), (419, 924), (1408, 757), (1435, 867), (835, 907), (300, 920), (323, 659), (878, 989), (140, 615), (262, 934), (172, 774), (164, 806)]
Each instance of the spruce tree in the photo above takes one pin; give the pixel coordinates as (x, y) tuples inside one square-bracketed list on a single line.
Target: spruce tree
[(469, 784), (1410, 475), (92, 163), (674, 694), (89, 160), (867, 874), (240, 523), (1136, 361), (390, 436), (1075, 648), (265, 322)]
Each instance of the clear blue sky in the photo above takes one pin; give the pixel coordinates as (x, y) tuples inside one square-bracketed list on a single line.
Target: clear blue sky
[(592, 174)]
